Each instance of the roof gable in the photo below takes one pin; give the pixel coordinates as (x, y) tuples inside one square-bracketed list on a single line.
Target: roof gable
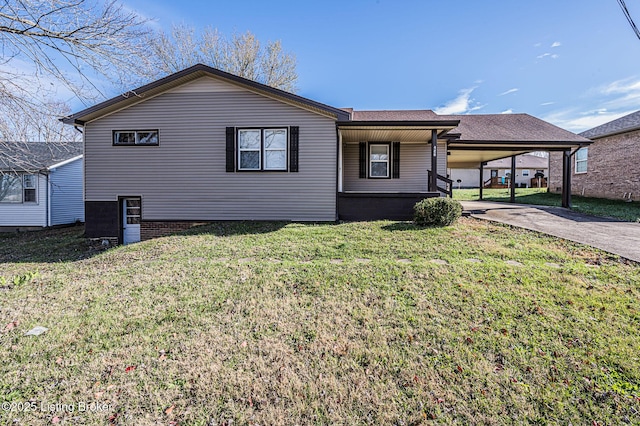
[(36, 156), (190, 75)]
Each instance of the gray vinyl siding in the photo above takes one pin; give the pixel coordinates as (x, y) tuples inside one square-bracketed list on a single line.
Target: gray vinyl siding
[(67, 204), (415, 160), (184, 178), (27, 214)]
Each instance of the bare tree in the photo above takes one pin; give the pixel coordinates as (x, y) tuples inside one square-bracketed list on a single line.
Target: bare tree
[(70, 42), (61, 48), (241, 55)]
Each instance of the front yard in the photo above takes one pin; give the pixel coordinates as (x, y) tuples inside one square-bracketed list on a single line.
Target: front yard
[(355, 323)]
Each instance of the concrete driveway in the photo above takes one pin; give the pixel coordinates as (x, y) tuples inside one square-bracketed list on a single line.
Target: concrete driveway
[(613, 236)]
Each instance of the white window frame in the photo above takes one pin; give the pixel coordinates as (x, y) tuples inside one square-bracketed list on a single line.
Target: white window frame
[(33, 187), (136, 137), (584, 161), (265, 149), (525, 172), (262, 157), (387, 161), (241, 150)]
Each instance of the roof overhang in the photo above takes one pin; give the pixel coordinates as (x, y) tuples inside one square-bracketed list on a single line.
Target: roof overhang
[(397, 131)]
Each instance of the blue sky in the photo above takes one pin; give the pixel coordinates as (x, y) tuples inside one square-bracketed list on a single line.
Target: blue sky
[(573, 63)]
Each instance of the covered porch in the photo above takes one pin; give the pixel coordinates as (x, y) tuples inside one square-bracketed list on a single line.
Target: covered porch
[(384, 166), (389, 160)]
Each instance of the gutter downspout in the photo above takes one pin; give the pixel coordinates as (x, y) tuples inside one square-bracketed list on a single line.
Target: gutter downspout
[(48, 200)]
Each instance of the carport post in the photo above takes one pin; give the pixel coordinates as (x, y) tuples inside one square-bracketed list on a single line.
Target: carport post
[(433, 184), (512, 197), (566, 178), (481, 178)]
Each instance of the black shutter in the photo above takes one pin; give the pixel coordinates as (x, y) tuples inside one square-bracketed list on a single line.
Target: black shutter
[(363, 160), (294, 132), (395, 171), (231, 149)]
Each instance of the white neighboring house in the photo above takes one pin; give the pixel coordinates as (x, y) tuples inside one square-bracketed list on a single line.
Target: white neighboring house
[(527, 165), (41, 184)]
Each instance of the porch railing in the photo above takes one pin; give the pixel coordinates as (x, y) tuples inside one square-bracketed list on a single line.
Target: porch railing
[(447, 189)]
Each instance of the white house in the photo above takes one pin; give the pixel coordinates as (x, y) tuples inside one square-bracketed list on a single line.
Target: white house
[(41, 184), (497, 171)]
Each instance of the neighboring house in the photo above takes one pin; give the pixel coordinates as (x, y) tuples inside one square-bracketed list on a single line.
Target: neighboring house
[(610, 167), (40, 184), (204, 145), (527, 166)]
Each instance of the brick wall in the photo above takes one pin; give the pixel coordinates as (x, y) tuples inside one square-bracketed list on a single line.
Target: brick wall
[(150, 230), (613, 168)]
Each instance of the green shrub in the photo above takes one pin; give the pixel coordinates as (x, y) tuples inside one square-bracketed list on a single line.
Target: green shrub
[(436, 211)]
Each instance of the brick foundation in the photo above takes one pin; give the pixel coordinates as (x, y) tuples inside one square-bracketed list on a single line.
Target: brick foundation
[(149, 230)]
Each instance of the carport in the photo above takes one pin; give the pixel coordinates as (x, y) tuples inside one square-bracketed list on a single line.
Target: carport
[(481, 138)]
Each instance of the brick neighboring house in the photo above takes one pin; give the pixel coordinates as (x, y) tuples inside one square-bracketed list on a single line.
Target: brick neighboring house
[(610, 167)]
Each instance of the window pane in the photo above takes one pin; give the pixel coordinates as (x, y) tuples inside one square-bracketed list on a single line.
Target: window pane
[(10, 189), (133, 203), (379, 152), (133, 220), (124, 138), (250, 159), (29, 181), (582, 154), (148, 138), (379, 169), (249, 139), (29, 195), (581, 166), (275, 160), (275, 139)]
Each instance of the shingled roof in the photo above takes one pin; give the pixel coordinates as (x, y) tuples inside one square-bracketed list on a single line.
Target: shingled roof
[(36, 156), (621, 125), (509, 127)]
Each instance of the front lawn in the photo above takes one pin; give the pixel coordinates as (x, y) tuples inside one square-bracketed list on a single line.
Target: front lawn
[(619, 209), (355, 323)]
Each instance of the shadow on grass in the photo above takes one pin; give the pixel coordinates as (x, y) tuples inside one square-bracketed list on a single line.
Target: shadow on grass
[(408, 226), (229, 228), (69, 244), (48, 245)]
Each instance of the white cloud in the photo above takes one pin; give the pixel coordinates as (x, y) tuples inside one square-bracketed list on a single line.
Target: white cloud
[(548, 55), (462, 104), (611, 101), (556, 44), (547, 103), (575, 121), (515, 89), (507, 111), (537, 45)]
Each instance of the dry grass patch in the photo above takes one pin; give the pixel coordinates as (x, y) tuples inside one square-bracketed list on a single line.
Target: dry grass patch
[(185, 329)]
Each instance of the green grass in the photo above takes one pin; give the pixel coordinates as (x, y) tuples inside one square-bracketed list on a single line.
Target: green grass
[(617, 209), (355, 323)]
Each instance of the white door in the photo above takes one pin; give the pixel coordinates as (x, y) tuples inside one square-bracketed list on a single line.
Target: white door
[(131, 209)]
